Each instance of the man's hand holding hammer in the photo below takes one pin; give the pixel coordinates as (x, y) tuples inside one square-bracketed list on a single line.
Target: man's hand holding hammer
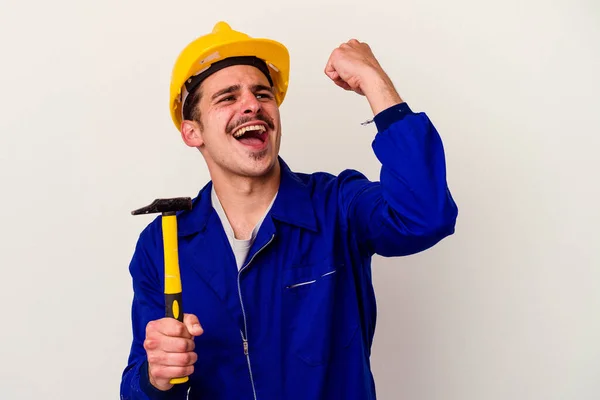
[(170, 347), (169, 341)]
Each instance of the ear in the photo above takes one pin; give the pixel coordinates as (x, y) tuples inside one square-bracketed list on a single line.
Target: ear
[(191, 133)]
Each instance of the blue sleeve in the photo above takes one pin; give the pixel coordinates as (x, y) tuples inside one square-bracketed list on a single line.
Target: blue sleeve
[(387, 117), (148, 305), (410, 209)]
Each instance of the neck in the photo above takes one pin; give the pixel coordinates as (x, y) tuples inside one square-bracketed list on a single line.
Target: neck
[(245, 199)]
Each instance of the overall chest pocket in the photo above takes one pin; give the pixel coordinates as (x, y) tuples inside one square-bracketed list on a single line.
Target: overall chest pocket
[(318, 322)]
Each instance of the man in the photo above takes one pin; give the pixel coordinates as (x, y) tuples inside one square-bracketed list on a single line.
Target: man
[(276, 265)]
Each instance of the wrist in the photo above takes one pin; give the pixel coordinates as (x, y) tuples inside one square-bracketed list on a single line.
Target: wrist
[(380, 92)]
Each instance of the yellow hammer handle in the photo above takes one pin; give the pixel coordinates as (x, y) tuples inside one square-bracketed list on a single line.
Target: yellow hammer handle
[(173, 305)]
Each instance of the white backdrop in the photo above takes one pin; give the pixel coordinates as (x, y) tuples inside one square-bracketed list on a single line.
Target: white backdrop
[(507, 308)]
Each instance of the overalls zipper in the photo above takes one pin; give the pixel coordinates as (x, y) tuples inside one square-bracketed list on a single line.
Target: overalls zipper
[(244, 333)]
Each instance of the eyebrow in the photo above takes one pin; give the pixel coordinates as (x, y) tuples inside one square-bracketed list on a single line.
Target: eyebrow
[(235, 88)]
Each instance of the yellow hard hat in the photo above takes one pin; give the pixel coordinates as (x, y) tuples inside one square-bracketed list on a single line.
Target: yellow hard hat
[(223, 42)]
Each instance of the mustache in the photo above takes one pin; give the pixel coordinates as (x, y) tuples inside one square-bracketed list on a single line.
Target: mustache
[(260, 117)]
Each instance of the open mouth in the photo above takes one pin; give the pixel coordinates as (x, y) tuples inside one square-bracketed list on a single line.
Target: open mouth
[(251, 135)]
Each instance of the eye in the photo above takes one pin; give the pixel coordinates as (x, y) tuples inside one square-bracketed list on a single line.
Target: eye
[(228, 98), (264, 95)]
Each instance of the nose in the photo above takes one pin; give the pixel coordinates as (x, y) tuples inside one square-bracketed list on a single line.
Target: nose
[(249, 103)]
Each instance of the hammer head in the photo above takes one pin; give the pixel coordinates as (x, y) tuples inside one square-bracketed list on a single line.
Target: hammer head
[(165, 206)]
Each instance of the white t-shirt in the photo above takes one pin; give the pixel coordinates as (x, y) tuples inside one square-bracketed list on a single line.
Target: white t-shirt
[(239, 247)]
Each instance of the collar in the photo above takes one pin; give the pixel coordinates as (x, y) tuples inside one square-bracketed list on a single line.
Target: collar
[(293, 205)]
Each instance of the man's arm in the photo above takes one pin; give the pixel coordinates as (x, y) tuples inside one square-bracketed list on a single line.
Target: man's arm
[(161, 347), (411, 208)]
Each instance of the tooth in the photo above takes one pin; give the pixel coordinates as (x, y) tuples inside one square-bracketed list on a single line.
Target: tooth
[(241, 131)]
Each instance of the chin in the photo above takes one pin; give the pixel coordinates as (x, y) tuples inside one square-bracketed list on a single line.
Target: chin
[(259, 165)]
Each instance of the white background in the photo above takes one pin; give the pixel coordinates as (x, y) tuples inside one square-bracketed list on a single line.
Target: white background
[(507, 308)]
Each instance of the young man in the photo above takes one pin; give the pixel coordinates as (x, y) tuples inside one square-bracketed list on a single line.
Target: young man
[(276, 265)]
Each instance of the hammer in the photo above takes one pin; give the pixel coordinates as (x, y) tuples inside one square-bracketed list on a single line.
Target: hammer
[(169, 208)]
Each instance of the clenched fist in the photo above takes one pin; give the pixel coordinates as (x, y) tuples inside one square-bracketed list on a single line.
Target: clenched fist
[(352, 66), (170, 347)]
